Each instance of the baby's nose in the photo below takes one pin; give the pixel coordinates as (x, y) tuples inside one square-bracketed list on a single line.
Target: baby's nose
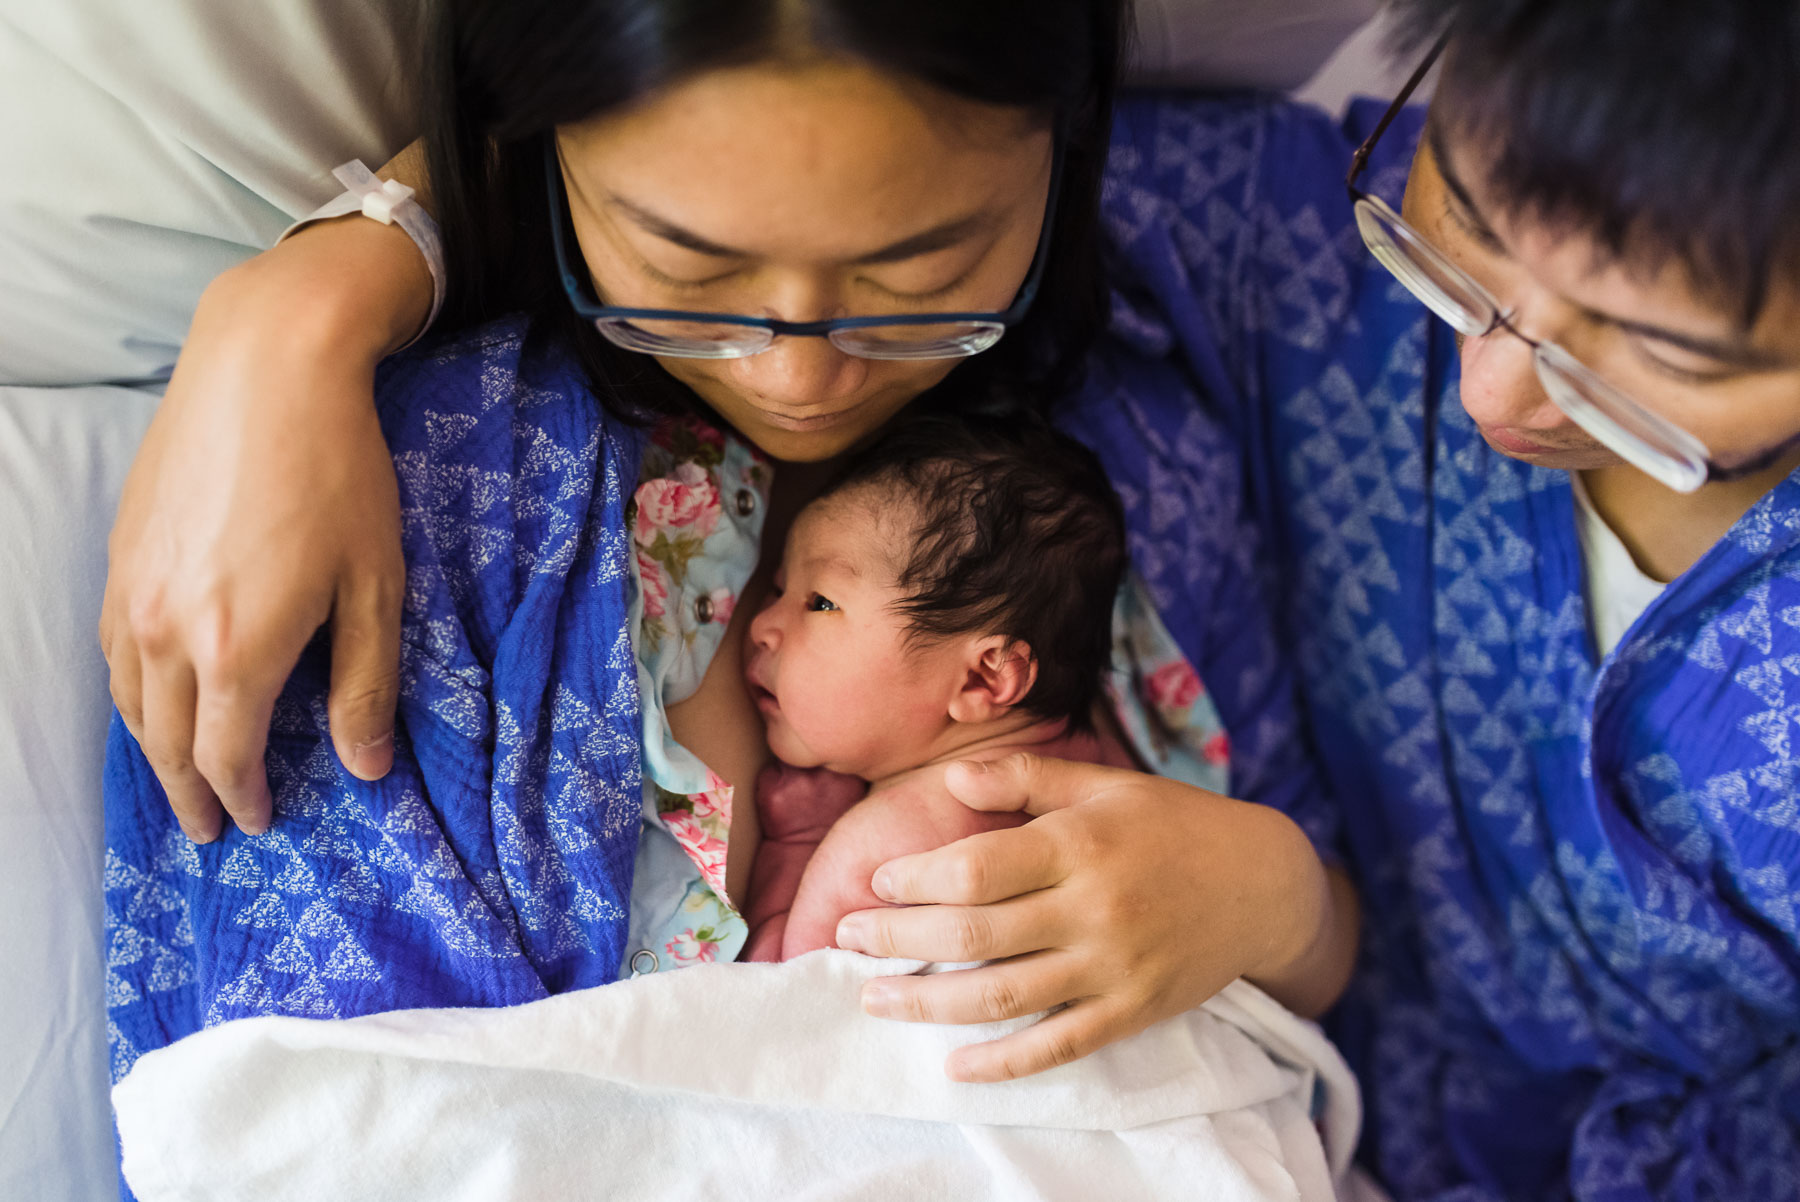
[(765, 628)]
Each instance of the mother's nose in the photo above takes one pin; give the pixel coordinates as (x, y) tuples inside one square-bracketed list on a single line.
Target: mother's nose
[(801, 373)]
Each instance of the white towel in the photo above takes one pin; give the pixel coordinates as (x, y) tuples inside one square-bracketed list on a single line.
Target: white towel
[(743, 1081)]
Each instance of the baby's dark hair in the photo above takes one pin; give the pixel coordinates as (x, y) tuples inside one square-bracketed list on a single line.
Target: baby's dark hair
[(1016, 532)]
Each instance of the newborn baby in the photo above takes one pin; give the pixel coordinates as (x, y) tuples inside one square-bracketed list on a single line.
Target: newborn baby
[(948, 598)]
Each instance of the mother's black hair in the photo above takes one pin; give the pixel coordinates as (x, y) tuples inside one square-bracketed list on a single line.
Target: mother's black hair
[(502, 73)]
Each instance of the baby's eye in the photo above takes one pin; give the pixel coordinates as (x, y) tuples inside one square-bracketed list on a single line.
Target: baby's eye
[(818, 605)]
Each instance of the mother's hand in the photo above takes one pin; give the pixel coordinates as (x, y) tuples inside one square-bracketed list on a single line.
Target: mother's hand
[(1132, 898), (262, 504)]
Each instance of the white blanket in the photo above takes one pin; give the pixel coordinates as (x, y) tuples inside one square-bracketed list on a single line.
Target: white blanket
[(730, 1081)]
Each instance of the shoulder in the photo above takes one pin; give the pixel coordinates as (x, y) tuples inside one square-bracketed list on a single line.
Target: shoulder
[(503, 400), (502, 366)]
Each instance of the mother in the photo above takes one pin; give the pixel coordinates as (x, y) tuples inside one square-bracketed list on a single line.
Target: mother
[(795, 161)]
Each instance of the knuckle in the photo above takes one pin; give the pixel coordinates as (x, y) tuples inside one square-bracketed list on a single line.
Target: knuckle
[(1056, 1048), (916, 1007), (168, 762), (970, 877), (148, 618), (1080, 843), (223, 771), (366, 694), (1028, 764), (999, 998), (968, 934)]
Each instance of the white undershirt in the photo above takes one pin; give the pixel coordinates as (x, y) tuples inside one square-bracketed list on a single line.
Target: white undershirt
[(1617, 589)]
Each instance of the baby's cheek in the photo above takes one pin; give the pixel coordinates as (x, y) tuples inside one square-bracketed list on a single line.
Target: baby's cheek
[(786, 745)]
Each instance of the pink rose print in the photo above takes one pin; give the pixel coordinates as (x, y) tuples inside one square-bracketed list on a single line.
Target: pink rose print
[(723, 603), (716, 801), (691, 947), (1173, 687), (1217, 750), (705, 849), (686, 501), (655, 588)]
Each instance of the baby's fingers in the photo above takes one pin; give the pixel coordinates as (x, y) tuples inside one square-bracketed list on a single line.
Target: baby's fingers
[(1082, 1029)]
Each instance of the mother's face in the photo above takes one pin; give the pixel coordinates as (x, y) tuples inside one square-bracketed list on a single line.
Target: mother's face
[(804, 193)]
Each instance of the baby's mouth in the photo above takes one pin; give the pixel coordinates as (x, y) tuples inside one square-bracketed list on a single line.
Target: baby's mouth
[(765, 700), (761, 694)]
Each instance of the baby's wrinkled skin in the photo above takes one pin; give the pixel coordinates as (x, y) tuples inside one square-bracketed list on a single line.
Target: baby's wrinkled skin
[(849, 698)]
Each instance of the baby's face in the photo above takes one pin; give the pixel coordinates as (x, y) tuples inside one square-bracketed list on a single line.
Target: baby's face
[(829, 664)]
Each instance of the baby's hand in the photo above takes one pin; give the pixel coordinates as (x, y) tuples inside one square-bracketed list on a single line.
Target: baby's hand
[(795, 807), (802, 803)]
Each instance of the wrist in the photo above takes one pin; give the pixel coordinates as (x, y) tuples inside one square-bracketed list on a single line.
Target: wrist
[(348, 287), (1298, 903)]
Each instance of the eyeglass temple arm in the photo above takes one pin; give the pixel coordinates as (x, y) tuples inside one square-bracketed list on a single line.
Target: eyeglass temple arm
[(1360, 159)]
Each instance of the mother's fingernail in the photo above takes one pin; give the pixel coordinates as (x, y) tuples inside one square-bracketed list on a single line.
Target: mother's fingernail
[(371, 760), (883, 884), (877, 1000), (977, 767), (851, 933)]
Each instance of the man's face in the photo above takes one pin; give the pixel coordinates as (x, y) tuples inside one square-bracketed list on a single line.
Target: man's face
[(1646, 329)]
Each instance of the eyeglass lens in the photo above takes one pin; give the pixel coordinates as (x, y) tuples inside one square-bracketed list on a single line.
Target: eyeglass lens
[(720, 340), (1644, 439)]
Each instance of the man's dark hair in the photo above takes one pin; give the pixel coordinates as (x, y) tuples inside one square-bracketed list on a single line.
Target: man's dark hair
[(501, 74), (1666, 129), (1014, 531)]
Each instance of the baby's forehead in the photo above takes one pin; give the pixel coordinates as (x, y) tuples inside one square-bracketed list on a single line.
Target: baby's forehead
[(858, 532)]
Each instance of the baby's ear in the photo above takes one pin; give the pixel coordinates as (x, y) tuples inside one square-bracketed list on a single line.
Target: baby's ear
[(1001, 673)]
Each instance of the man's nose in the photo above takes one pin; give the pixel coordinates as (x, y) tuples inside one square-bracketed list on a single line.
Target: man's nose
[(1500, 385)]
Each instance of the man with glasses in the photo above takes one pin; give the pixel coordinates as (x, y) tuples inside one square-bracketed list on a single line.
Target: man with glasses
[(1539, 562)]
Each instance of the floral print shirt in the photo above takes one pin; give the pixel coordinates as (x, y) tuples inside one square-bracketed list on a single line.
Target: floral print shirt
[(696, 525)]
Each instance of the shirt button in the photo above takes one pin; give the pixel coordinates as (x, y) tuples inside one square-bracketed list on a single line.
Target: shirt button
[(746, 502), (703, 610)]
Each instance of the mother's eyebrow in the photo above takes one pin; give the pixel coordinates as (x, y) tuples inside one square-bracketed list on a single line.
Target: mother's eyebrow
[(939, 237)]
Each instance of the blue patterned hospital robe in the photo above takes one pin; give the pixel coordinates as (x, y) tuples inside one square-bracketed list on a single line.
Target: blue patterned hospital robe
[(1580, 975)]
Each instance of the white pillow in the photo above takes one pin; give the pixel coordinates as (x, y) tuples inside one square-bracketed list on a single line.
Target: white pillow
[(143, 148), (1274, 44), (146, 147)]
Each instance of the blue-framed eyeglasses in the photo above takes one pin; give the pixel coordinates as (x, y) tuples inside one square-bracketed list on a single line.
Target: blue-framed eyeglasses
[(691, 335)]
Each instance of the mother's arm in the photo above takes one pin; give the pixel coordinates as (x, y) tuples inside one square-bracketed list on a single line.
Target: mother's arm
[(262, 505), (1131, 899)]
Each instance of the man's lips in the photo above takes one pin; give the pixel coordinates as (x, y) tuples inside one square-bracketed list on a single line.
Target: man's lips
[(1507, 440)]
